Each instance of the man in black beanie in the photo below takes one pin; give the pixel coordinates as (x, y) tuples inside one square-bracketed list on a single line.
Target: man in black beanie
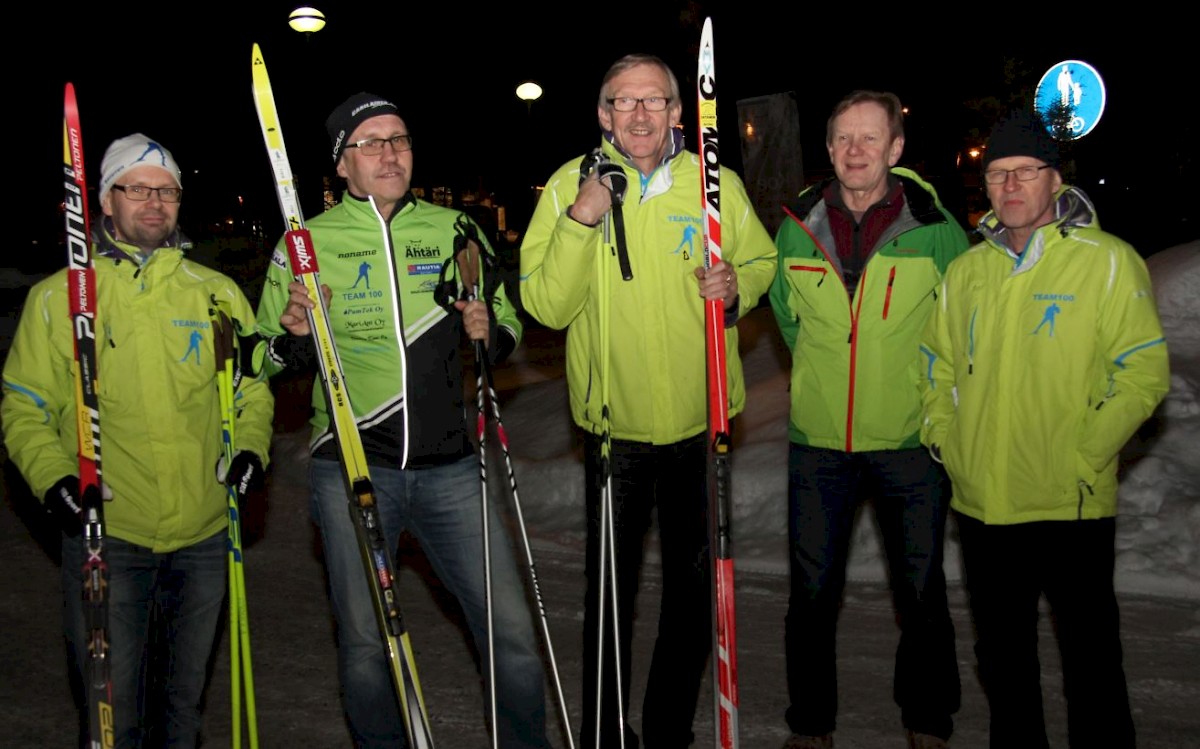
[(1045, 354), (399, 339)]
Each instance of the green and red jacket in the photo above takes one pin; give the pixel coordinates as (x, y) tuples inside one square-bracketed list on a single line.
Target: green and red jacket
[(856, 360)]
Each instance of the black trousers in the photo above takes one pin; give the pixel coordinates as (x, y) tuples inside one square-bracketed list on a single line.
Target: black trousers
[(911, 498), (646, 479), (1008, 568)]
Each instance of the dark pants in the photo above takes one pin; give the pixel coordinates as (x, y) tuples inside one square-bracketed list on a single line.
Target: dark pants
[(1008, 568), (669, 479), (181, 591), (440, 507), (911, 493)]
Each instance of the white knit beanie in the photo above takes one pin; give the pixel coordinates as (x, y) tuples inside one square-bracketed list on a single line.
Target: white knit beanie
[(131, 152)]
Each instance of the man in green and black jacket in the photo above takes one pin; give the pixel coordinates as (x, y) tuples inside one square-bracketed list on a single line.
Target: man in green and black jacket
[(382, 253)]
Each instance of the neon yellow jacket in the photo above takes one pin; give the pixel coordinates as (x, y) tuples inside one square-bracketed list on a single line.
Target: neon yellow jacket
[(657, 387), (1040, 368), (160, 417)]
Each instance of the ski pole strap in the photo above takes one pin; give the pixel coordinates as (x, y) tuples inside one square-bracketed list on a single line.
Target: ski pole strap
[(616, 177), (447, 290), (597, 161)]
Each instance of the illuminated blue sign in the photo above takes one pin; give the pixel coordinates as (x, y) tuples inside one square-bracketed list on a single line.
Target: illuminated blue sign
[(1077, 85)]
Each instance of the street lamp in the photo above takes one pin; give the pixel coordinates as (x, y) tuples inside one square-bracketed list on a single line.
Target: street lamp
[(306, 20), (529, 92)]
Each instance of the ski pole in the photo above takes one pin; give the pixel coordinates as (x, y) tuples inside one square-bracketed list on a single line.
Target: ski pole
[(488, 404), (607, 567), (241, 670)]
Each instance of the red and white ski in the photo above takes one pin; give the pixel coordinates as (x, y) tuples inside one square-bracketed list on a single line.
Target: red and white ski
[(81, 291), (719, 486)]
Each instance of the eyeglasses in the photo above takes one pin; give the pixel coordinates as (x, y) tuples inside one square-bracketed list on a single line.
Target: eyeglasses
[(141, 193), (1024, 174), (649, 103), (374, 146)]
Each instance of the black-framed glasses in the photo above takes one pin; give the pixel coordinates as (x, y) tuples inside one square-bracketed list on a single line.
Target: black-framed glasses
[(141, 193), (374, 146), (649, 103), (1024, 174)]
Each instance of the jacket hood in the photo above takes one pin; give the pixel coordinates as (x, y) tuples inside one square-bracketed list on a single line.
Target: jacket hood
[(921, 197), (1072, 209)]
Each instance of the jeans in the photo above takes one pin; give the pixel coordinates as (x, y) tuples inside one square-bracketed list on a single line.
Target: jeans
[(440, 506), (669, 480), (912, 498), (1008, 568), (182, 592)]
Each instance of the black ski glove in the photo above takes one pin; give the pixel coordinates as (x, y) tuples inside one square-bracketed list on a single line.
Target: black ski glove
[(65, 505), (244, 474)]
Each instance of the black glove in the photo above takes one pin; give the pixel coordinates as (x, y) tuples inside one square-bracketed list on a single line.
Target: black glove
[(244, 473), (64, 503)]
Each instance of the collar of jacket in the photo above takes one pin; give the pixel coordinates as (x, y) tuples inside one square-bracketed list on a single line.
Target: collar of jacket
[(1072, 209), (107, 245), (674, 148), (657, 182), (351, 199), (919, 195)]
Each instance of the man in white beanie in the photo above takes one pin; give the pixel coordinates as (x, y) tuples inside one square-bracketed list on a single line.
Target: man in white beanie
[(140, 169), (166, 524)]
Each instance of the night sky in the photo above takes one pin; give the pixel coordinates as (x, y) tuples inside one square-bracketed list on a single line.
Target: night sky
[(185, 80)]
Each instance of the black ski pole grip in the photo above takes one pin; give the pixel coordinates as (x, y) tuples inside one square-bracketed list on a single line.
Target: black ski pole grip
[(619, 184)]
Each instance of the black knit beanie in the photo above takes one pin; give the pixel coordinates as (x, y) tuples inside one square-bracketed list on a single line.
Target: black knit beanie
[(1021, 133), (350, 114)]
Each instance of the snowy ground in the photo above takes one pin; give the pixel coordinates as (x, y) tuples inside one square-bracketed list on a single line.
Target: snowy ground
[(297, 701), (1159, 528)]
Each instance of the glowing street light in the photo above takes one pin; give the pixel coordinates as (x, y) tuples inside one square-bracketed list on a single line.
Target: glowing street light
[(306, 20), (529, 92)]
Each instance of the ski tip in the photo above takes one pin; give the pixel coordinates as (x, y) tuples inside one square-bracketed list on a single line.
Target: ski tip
[(256, 54)]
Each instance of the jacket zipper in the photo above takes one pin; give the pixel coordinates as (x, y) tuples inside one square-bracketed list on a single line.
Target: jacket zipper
[(887, 300)]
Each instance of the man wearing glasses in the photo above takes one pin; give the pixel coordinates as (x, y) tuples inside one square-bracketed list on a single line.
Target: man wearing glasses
[(1045, 354), (860, 256), (400, 351), (643, 382), (166, 524)]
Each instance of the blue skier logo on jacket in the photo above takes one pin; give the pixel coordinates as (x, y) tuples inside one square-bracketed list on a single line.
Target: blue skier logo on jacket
[(193, 345), (364, 274), (689, 235), (1048, 318)]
